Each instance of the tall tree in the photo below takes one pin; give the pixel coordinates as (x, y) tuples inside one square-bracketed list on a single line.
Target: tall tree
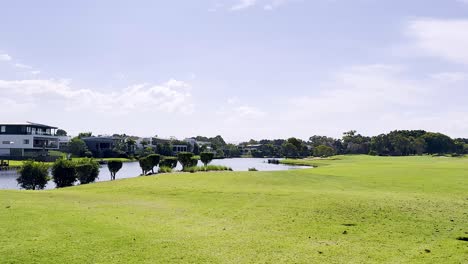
[(77, 147), (61, 132)]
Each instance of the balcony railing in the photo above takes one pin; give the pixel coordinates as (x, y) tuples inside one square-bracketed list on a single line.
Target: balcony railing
[(39, 133), (48, 144)]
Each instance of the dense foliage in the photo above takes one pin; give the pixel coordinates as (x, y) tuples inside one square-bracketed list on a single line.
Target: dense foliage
[(185, 158), (77, 147), (395, 143), (323, 151), (64, 173), (114, 166), (87, 171), (145, 165), (153, 160), (168, 162), (206, 157), (33, 175)]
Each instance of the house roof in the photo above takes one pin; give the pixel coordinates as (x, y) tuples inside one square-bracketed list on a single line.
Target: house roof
[(28, 124)]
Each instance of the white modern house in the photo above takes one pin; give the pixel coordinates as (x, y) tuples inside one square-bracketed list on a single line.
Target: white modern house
[(27, 139)]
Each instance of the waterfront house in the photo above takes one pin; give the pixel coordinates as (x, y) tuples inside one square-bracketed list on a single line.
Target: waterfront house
[(102, 145), (22, 140)]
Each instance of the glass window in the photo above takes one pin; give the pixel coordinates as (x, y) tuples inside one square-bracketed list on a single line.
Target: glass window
[(6, 142), (26, 141), (3, 129)]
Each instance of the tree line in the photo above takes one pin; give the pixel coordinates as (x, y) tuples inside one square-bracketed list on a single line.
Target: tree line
[(395, 143)]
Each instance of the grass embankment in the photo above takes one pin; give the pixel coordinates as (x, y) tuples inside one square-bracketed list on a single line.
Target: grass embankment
[(358, 209)]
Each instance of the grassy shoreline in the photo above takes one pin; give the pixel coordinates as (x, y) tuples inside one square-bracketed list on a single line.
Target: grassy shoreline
[(355, 209)]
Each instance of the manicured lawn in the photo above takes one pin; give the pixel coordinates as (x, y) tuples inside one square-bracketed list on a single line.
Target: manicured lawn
[(354, 209)]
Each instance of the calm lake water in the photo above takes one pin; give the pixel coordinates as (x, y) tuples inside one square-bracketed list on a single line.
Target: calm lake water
[(132, 169)]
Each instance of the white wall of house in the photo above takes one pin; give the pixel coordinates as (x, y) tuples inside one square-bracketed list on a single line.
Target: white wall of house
[(16, 141), (21, 141)]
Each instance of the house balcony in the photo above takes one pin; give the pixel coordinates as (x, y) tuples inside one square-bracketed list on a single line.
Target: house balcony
[(45, 143)]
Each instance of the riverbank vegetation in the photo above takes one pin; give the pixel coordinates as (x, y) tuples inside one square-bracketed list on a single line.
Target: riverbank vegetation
[(350, 209), (207, 168)]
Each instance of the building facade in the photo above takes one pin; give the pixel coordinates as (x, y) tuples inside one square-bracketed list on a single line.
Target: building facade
[(101, 146), (27, 139)]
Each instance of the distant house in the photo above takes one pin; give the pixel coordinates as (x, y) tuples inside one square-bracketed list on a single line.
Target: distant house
[(143, 142), (101, 145), (64, 142), (193, 141), (179, 148), (177, 145), (247, 149), (27, 139)]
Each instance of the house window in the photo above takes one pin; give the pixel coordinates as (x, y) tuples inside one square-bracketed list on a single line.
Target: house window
[(6, 142), (28, 129), (3, 129), (26, 141)]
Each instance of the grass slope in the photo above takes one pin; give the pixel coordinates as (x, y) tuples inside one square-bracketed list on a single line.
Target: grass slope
[(357, 209)]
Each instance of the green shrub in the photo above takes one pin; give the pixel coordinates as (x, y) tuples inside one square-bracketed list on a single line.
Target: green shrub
[(170, 162), (114, 166), (145, 165), (64, 173), (206, 157), (153, 160), (253, 169), (194, 162), (33, 175), (323, 151), (163, 169), (193, 169), (185, 158), (87, 171)]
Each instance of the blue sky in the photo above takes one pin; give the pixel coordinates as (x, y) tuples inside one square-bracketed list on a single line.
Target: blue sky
[(240, 68)]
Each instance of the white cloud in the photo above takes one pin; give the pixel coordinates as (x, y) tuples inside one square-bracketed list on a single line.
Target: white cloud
[(450, 76), (274, 4), (171, 97), (237, 112), (11, 106), (5, 57), (267, 4), (245, 111), (243, 4), (443, 38), (22, 66)]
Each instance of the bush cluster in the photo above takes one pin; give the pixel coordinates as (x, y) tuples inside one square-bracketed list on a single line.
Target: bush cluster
[(206, 168), (164, 169), (66, 172), (33, 175), (168, 162)]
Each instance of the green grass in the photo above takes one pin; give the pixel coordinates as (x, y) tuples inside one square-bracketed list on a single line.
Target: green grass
[(392, 209)]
